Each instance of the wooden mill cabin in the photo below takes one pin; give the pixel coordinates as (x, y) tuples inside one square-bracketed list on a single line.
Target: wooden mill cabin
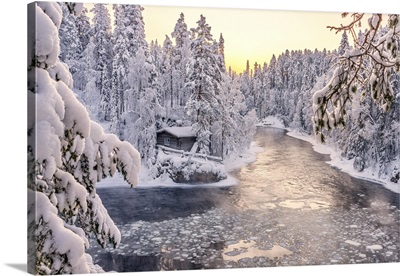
[(180, 138)]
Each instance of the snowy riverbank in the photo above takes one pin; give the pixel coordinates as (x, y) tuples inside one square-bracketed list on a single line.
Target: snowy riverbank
[(231, 164), (337, 160), (249, 156), (343, 164)]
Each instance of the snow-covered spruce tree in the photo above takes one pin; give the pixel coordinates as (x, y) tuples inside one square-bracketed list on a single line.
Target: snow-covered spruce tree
[(221, 53), (156, 53), (103, 57), (67, 155), (134, 83), (116, 99), (120, 69), (70, 44), (74, 37), (229, 134), (173, 69), (181, 59), (271, 105), (180, 33), (258, 88), (134, 28), (131, 38), (277, 89), (282, 81), (81, 72), (85, 80), (303, 78), (84, 29), (344, 44), (264, 94), (372, 63), (166, 72), (130, 18), (140, 119), (205, 78), (246, 85)]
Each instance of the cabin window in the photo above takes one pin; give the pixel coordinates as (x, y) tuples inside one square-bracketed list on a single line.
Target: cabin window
[(167, 141)]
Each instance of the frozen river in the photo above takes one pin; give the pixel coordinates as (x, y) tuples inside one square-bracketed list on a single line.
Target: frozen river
[(289, 208)]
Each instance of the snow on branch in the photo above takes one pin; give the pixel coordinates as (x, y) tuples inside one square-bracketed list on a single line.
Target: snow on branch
[(371, 63), (67, 155), (57, 248)]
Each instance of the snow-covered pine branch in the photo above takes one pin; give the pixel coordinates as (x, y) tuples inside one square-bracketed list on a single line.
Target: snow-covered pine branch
[(67, 155), (372, 63)]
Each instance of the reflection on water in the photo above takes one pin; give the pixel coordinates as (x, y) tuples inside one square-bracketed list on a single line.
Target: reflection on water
[(289, 208), (306, 204), (290, 174), (294, 204)]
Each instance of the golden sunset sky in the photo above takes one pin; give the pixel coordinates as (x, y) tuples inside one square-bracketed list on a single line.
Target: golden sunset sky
[(250, 34), (253, 35)]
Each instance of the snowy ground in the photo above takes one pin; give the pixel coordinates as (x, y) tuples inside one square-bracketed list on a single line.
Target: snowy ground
[(343, 164), (231, 164), (271, 122), (337, 160), (249, 156)]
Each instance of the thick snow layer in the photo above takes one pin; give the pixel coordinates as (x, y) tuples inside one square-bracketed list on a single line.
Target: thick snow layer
[(94, 268), (60, 71), (48, 18), (249, 156), (76, 116), (179, 131), (231, 164), (191, 169), (118, 181), (63, 240), (343, 164)]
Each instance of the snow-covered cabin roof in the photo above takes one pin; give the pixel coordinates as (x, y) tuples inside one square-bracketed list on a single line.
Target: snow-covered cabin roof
[(179, 131)]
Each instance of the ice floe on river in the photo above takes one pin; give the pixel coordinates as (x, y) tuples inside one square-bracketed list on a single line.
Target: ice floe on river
[(219, 238)]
